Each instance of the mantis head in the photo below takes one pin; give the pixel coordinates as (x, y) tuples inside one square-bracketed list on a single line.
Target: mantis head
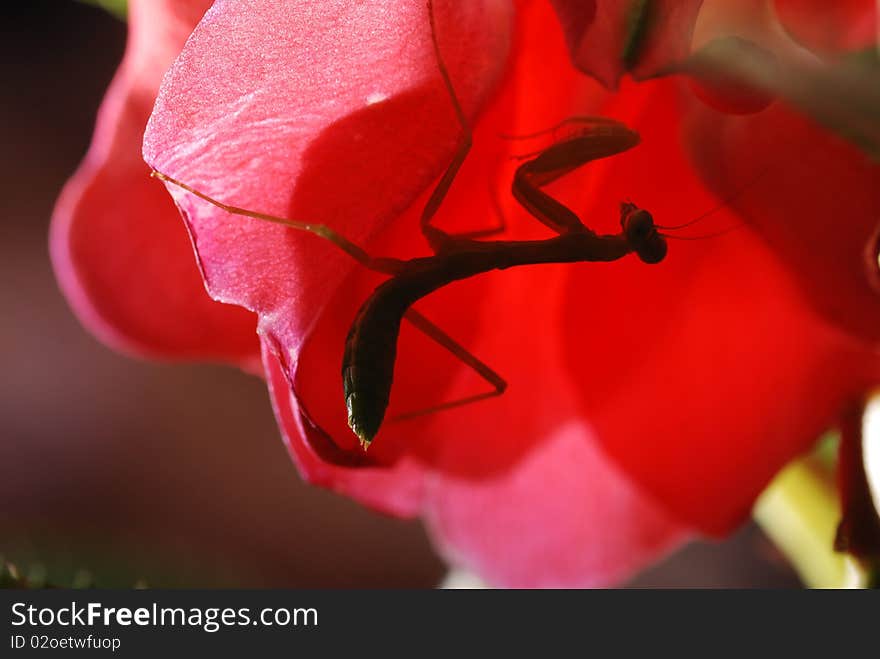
[(641, 233)]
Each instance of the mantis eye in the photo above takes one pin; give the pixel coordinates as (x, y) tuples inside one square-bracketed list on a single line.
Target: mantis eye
[(652, 250), (638, 225)]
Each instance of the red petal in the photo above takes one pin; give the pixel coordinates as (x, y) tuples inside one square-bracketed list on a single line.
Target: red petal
[(817, 207), (830, 26), (705, 374), (607, 38), (120, 252), (397, 491)]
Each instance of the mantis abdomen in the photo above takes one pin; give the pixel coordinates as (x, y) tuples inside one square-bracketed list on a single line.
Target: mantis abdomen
[(371, 345)]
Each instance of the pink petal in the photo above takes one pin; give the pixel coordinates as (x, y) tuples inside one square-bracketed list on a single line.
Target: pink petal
[(564, 518), (120, 252)]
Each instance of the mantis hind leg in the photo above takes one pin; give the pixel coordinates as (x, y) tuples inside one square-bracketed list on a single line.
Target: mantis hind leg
[(389, 266), (432, 331)]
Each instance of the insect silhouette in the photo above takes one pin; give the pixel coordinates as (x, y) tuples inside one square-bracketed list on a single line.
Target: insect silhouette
[(371, 345)]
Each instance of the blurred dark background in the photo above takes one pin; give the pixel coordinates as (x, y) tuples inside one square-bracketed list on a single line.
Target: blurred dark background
[(169, 475)]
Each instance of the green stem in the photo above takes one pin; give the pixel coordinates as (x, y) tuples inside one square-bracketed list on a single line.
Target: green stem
[(800, 511)]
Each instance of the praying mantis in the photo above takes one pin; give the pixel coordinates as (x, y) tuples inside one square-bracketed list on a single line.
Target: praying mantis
[(371, 345)]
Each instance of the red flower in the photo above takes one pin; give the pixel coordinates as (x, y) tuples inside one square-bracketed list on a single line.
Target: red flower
[(699, 377)]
